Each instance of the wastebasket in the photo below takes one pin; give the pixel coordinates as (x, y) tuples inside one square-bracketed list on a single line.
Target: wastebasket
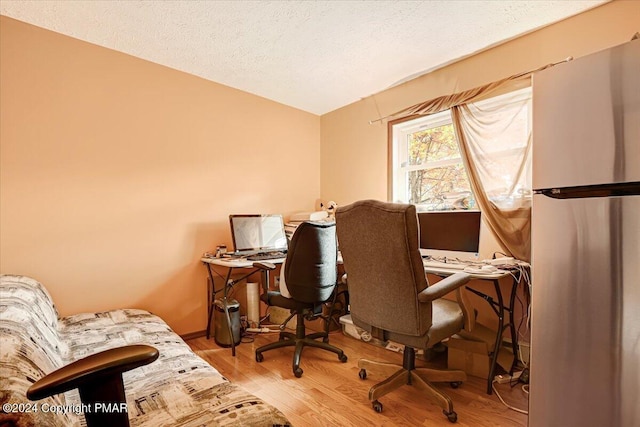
[(221, 330)]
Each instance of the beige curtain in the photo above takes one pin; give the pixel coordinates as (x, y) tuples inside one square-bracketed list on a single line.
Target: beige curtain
[(446, 102), (496, 151)]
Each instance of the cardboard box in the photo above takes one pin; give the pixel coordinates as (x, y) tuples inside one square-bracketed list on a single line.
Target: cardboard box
[(470, 352), (277, 316), (469, 356)]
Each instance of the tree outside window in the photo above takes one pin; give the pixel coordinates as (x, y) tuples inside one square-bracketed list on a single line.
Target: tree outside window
[(429, 171), (442, 183)]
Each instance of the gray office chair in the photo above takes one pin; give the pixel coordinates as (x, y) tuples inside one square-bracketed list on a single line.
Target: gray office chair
[(311, 276), (391, 299)]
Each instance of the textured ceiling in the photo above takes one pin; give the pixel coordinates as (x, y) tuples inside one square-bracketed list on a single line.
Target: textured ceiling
[(313, 55)]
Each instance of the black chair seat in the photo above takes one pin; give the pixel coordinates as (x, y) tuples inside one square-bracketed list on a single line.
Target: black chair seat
[(276, 299)]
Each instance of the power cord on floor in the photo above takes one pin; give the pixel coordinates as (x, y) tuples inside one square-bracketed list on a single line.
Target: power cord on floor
[(513, 408)]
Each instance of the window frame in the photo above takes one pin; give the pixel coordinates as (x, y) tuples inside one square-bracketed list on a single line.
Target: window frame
[(441, 118), (432, 121)]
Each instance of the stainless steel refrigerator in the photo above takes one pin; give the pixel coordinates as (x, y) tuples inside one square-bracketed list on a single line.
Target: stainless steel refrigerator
[(585, 321)]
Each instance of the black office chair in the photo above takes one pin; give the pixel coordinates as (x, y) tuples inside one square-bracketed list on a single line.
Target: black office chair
[(98, 378), (311, 276)]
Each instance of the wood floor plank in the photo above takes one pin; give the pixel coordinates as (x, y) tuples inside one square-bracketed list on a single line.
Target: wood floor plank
[(330, 393)]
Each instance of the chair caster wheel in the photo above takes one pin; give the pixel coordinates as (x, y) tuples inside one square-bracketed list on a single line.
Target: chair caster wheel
[(455, 384), (343, 358), (297, 372), (451, 416), (362, 374), (259, 357), (377, 406)]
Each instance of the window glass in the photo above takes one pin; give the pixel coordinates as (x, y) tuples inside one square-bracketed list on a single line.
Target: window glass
[(428, 169)]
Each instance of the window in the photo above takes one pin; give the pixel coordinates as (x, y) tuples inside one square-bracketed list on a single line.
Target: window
[(427, 168)]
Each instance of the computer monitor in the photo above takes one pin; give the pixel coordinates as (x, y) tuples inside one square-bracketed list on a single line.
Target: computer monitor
[(450, 234), (256, 233)]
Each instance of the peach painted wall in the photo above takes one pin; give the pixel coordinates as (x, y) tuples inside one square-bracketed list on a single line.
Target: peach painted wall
[(118, 173), (354, 152)]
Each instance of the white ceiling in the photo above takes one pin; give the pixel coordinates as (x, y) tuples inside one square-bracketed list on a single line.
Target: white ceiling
[(313, 55)]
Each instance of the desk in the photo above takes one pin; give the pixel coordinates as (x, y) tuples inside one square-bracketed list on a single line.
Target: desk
[(498, 307), (230, 264)]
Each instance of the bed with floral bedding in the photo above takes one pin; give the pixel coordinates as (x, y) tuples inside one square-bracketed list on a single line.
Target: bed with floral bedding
[(178, 389)]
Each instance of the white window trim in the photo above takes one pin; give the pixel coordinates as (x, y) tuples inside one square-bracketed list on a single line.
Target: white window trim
[(401, 130), (400, 134)]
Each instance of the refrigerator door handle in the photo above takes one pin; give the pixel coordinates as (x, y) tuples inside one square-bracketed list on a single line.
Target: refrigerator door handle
[(584, 191)]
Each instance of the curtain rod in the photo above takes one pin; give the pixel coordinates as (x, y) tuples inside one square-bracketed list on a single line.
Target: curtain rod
[(476, 89)]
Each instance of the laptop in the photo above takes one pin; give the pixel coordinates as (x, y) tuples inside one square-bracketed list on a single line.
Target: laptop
[(258, 234)]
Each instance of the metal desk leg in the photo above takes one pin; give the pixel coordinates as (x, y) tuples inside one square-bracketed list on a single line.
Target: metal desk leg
[(226, 312), (512, 323), (496, 347), (210, 299), (498, 308), (501, 327)]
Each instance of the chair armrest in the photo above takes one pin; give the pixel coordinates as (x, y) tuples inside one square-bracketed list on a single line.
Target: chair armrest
[(443, 287), (264, 265), (91, 369)]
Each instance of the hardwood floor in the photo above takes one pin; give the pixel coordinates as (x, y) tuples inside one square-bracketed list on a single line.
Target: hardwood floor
[(330, 393)]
